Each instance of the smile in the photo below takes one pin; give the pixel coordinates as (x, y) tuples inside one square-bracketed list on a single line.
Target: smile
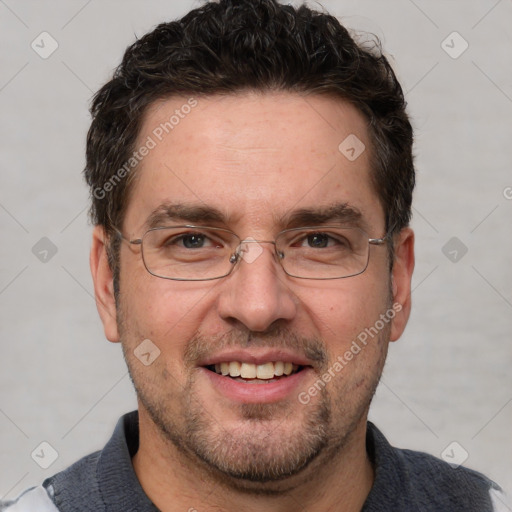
[(258, 382), (255, 373)]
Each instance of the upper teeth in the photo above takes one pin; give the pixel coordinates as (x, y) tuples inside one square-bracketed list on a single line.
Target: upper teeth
[(255, 371)]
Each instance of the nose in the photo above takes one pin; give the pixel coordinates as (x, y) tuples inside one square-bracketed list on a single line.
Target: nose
[(256, 293)]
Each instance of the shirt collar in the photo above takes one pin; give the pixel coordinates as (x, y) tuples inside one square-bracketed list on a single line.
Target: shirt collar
[(120, 489)]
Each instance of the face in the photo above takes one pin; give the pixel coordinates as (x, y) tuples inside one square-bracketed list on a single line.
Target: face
[(256, 164)]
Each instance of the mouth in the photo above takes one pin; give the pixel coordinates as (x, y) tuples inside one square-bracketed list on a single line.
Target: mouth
[(265, 373), (252, 377)]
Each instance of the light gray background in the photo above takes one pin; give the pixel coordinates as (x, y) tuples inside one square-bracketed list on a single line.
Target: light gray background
[(448, 379)]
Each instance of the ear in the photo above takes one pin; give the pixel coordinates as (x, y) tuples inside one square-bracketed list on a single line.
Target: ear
[(401, 276), (103, 284)]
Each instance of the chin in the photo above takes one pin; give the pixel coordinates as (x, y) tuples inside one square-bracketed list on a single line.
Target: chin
[(263, 443)]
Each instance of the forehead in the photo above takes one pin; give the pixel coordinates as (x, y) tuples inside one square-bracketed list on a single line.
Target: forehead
[(255, 158)]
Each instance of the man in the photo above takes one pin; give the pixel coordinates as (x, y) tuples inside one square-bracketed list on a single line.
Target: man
[(251, 176)]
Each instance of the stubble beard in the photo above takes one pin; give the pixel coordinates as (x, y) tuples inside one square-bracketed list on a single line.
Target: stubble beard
[(263, 449)]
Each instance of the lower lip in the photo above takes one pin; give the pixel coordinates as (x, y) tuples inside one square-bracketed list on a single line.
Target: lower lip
[(258, 393)]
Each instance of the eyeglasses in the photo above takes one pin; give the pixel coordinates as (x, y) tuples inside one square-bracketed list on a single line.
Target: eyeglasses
[(199, 253)]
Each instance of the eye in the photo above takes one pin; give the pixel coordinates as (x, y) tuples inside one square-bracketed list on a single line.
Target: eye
[(322, 240), (190, 241), (318, 240), (194, 240)]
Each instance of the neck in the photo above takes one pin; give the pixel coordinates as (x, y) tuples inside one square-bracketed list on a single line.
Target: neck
[(174, 480)]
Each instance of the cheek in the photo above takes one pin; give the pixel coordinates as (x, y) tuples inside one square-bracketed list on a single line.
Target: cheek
[(167, 312), (342, 310), (356, 339)]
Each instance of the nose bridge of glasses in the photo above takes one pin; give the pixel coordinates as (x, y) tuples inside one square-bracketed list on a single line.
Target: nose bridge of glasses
[(254, 241), (249, 249)]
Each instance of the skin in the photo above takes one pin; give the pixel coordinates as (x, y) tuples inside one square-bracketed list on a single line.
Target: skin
[(256, 157)]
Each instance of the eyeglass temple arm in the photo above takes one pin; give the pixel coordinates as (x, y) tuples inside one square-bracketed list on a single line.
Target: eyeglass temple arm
[(384, 239), (138, 241)]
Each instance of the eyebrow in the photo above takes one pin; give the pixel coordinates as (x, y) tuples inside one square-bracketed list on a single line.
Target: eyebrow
[(184, 213), (342, 213)]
